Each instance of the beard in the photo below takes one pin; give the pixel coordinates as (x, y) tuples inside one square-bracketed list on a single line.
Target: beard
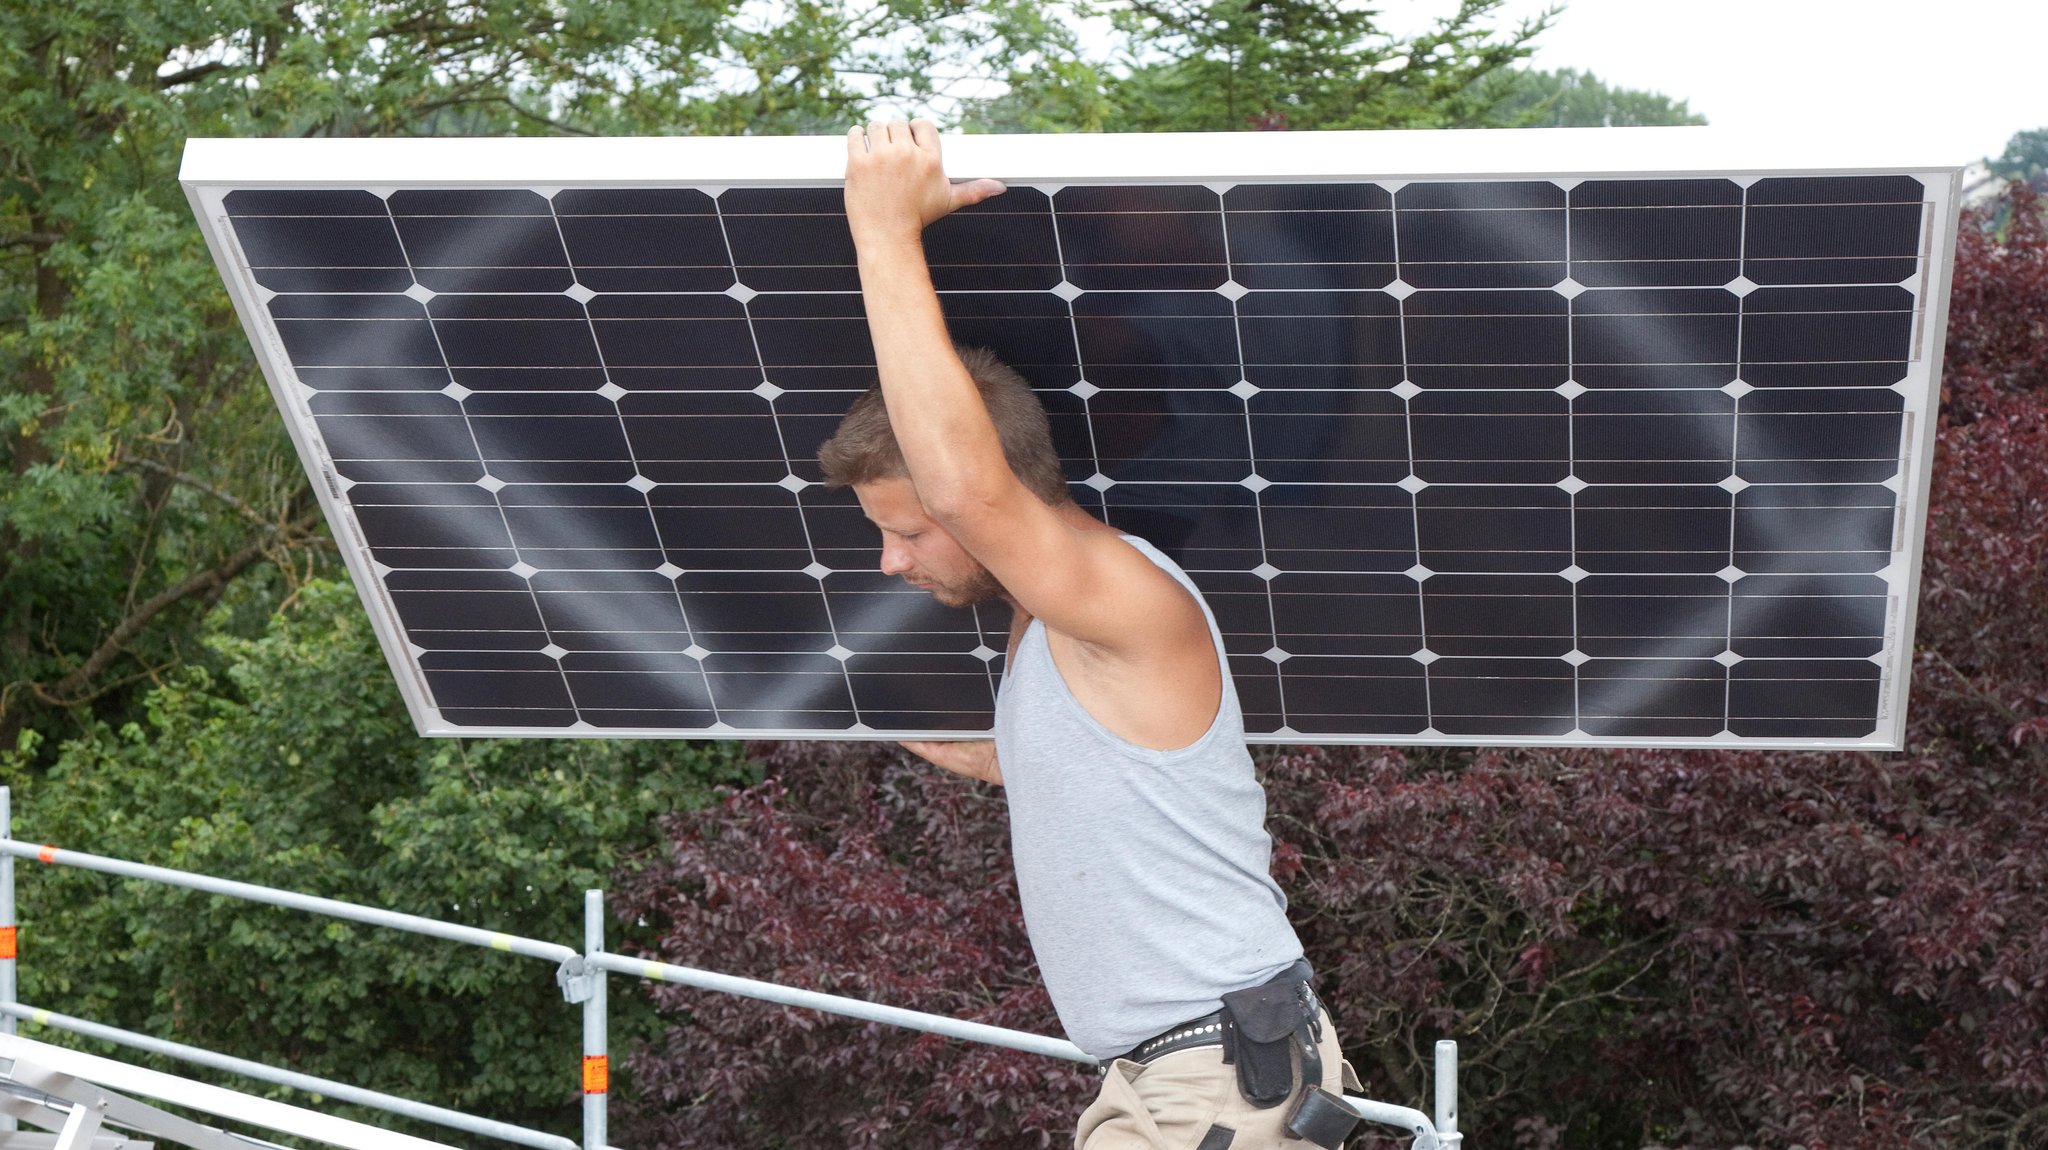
[(980, 587)]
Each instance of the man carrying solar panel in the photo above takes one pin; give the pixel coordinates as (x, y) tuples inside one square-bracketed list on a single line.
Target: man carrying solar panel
[(1136, 821)]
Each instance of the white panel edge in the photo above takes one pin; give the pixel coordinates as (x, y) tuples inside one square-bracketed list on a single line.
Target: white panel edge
[(1946, 188), (354, 550), (1198, 157)]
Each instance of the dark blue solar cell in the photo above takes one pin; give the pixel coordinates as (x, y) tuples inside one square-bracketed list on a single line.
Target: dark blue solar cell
[(355, 332), (1653, 437), (323, 253), (1808, 616), (303, 202), (1243, 610), (498, 688), (481, 241), (756, 611), (1031, 332), (808, 419), (1652, 530), (813, 342), (1331, 527), (1815, 529), (1656, 233), (1803, 698), (1346, 695), (1001, 244), (693, 437), (549, 437), (1330, 436), (1492, 339), (445, 610), (731, 527), (1819, 435), (1833, 230), (1304, 339), (841, 535), (675, 342), (1310, 236), (1663, 338), (780, 691), (644, 239), (1498, 615), (922, 691), (580, 526), (790, 239), (612, 611), (1157, 339), (1141, 238), (400, 437), (1503, 697), (517, 342), (1171, 436), (1652, 698), (876, 613), (1652, 616), (1483, 529), (1206, 527), (1323, 613), (1490, 437), (1493, 234), (639, 689), (1826, 337)]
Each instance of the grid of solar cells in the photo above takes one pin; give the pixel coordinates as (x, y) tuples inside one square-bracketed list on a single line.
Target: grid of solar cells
[(1607, 459)]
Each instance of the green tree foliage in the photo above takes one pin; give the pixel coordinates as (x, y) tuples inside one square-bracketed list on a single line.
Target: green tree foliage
[(1227, 65), (1572, 99), (144, 477), (153, 518), (2025, 158), (297, 766)]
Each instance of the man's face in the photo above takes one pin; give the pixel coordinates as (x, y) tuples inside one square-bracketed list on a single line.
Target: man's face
[(920, 550)]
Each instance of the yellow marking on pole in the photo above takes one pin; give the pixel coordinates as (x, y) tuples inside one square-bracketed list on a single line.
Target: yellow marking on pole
[(501, 942), (651, 970), (41, 1017)]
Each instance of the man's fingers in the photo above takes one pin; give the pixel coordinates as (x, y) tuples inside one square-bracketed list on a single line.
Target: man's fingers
[(856, 141), (925, 134), (971, 192)]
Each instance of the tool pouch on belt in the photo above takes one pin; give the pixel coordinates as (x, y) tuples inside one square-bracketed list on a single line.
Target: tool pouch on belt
[(1269, 1034)]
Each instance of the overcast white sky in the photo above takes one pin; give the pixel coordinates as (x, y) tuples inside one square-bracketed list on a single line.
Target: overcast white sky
[(1957, 76)]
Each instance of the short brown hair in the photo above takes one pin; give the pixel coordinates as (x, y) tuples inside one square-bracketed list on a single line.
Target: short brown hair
[(864, 449)]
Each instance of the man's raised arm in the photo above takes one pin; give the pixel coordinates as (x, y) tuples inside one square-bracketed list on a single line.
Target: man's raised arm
[(1058, 565)]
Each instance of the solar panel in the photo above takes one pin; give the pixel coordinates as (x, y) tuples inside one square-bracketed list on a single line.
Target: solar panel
[(1606, 438)]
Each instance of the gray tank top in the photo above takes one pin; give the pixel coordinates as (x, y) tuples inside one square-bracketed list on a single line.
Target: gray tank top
[(1144, 874)]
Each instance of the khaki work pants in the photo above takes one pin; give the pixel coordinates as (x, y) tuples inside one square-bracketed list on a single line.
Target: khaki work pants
[(1188, 1100)]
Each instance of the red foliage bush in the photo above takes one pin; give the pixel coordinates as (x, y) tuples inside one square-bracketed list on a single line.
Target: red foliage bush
[(850, 872), (1840, 951)]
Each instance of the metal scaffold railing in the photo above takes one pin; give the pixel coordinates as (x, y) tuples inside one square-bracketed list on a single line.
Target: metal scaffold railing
[(581, 976)]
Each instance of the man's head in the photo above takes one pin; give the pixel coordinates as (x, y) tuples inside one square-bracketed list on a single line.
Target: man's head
[(863, 454)]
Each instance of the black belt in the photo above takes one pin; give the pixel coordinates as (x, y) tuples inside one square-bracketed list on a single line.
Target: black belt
[(1204, 1031), (1195, 1032)]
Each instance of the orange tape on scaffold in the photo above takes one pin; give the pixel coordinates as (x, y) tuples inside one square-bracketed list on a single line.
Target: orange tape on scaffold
[(48, 854), (7, 941), (597, 1074)]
